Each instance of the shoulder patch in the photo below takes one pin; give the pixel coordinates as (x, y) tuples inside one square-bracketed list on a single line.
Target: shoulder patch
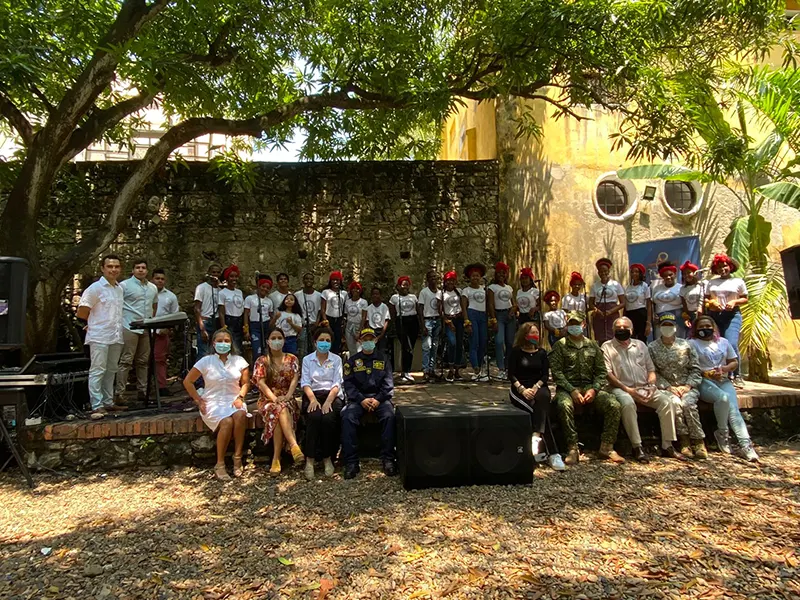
[(379, 365), (347, 368)]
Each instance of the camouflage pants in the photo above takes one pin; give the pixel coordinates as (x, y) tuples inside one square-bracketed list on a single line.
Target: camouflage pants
[(687, 419), (604, 402)]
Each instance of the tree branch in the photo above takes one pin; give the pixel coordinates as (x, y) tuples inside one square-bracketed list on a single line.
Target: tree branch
[(216, 57), (16, 119), (42, 98)]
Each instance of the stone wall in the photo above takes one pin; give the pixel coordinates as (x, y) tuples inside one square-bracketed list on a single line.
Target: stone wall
[(373, 220)]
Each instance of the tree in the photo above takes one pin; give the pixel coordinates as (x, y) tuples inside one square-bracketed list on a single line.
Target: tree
[(756, 174), (362, 77)]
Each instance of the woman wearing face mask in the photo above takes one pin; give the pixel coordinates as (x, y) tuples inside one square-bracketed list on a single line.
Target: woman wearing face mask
[(528, 371), (354, 308), (322, 383), (527, 297), (717, 359), (638, 307), (231, 306), (289, 319), (473, 304), (453, 318), (726, 296), (276, 375), (222, 406), (666, 296), (606, 301), (332, 311)]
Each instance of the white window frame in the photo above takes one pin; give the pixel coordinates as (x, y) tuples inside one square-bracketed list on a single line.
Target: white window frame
[(630, 191)]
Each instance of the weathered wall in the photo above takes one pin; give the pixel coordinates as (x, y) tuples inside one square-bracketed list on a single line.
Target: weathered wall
[(354, 216), (469, 133)]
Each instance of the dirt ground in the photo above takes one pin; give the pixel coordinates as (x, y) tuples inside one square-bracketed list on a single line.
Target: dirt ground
[(720, 528)]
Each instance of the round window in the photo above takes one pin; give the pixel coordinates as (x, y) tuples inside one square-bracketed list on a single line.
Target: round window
[(612, 198), (680, 196)]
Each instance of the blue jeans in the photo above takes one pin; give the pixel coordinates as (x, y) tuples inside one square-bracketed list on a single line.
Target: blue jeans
[(478, 338), (430, 343), (730, 327), (713, 391), (255, 338), (290, 345), (504, 339), (211, 327), (455, 343)]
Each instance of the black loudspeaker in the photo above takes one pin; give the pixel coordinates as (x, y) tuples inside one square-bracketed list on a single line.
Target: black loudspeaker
[(791, 271), (57, 362), (448, 445), (13, 297)]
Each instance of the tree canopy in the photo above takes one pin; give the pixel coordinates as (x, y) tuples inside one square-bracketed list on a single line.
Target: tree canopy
[(363, 78)]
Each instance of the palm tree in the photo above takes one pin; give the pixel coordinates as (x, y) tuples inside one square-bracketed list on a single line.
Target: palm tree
[(756, 174)]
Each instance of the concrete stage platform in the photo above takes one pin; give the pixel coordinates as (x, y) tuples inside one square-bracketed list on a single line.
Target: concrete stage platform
[(172, 436)]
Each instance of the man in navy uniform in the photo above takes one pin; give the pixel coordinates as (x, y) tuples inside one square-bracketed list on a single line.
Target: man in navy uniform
[(369, 388)]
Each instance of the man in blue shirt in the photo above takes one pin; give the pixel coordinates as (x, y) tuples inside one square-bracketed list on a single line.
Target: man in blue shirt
[(369, 387)]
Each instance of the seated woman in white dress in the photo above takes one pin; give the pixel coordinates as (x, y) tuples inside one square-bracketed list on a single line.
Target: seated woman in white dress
[(222, 406)]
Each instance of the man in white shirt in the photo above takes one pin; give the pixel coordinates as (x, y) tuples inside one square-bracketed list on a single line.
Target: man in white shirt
[(140, 302), (632, 381), (310, 301), (429, 307), (101, 305), (167, 305), (206, 299)]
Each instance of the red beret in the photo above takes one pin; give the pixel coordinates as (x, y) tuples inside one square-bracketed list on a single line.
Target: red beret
[(603, 261), (450, 275), (469, 269), (722, 259), (639, 267), (403, 278), (551, 294), (355, 284), (231, 269), (336, 275), (689, 266), (665, 268), (526, 272), (575, 277), (263, 278), (501, 266)]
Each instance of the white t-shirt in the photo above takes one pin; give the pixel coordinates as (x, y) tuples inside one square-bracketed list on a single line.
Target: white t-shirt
[(713, 354), (526, 301), (451, 302), (277, 297), (310, 303), (430, 302), (207, 296), (502, 295), (105, 312), (233, 300), (557, 319), (353, 309), (284, 323), (692, 294), (476, 297), (570, 303), (251, 304), (613, 290), (408, 304), (665, 298), (378, 315), (636, 296), (335, 302), (726, 290)]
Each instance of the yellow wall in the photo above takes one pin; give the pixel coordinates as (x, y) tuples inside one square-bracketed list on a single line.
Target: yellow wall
[(469, 133)]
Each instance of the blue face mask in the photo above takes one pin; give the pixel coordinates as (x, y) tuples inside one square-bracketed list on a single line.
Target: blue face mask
[(368, 345), (575, 330), (222, 347), (323, 346)]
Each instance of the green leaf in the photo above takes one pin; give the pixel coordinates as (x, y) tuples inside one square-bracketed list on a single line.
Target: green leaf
[(767, 150), (666, 172), (759, 230), (785, 192), (285, 561), (766, 307), (738, 241)]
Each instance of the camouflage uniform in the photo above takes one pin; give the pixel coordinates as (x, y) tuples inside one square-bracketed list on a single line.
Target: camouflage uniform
[(677, 365)]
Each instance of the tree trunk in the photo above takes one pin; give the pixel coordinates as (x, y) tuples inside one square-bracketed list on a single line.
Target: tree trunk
[(758, 366), (44, 312)]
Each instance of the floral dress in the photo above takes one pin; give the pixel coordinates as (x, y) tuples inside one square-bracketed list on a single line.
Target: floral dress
[(279, 385)]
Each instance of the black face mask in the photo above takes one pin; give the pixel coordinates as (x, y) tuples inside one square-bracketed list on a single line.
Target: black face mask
[(622, 334), (705, 333)]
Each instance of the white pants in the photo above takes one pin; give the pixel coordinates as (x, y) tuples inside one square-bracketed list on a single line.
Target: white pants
[(136, 350), (104, 359), (665, 406)]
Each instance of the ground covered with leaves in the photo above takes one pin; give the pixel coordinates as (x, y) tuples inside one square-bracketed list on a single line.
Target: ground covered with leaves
[(722, 528)]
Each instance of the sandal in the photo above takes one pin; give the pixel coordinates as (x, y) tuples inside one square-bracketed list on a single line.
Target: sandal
[(297, 454), (238, 469), (221, 473), (276, 468)]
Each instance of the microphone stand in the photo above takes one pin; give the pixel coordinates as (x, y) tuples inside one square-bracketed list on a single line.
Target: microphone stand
[(539, 312), (485, 358), (307, 332), (260, 318), (605, 319), (585, 311)]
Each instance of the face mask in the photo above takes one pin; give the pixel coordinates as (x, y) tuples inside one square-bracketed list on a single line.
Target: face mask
[(532, 339), (668, 331), (323, 346), (222, 347), (705, 333), (622, 335), (368, 345), (575, 330), (276, 344)]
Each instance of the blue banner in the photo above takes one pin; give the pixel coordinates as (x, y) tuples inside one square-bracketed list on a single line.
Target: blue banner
[(676, 250)]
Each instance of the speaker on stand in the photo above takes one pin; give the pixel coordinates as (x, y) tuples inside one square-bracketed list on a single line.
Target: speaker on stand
[(791, 272), (13, 299)]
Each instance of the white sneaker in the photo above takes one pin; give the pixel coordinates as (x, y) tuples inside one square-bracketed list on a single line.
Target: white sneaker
[(329, 470), (502, 375), (309, 470), (722, 441), (536, 442), (557, 463), (407, 378), (746, 451)]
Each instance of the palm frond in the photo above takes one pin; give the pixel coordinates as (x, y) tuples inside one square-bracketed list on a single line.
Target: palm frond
[(766, 309)]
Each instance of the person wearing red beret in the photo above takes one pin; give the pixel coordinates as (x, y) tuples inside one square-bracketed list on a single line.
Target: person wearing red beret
[(726, 294), (666, 296), (231, 306), (575, 299), (555, 319), (502, 315), (692, 293), (403, 310), (473, 303), (354, 307), (332, 310), (528, 304), (453, 326), (606, 301), (638, 307), (255, 305)]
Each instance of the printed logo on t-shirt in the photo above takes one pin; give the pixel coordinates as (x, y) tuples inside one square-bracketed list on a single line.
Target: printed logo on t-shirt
[(667, 295), (524, 303), (434, 303), (479, 296), (632, 295), (376, 320), (407, 304), (286, 327), (335, 303), (238, 302), (504, 295), (353, 310), (452, 301), (310, 307)]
